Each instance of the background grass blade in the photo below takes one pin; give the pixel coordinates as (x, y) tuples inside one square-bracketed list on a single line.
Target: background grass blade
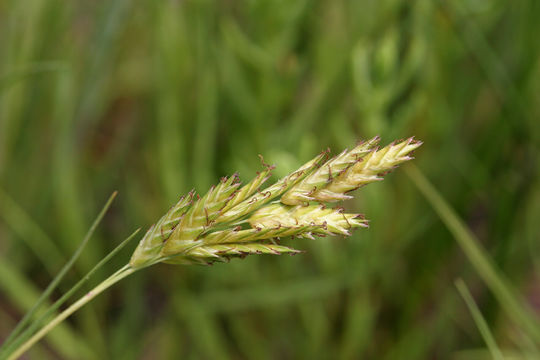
[(24, 295), (31, 233), (479, 320), (516, 307), (56, 280)]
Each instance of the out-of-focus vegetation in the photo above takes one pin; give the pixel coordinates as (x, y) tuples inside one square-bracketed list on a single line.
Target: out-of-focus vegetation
[(153, 98)]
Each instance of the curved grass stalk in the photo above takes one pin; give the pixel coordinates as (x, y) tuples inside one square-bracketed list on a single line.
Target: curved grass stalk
[(105, 284), (25, 320), (7, 347)]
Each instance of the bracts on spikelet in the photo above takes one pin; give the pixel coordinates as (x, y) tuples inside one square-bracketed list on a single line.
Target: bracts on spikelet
[(233, 221)]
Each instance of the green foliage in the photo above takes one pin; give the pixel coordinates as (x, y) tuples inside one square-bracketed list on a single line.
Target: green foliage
[(152, 97)]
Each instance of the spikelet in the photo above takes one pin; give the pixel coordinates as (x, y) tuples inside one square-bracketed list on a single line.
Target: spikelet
[(208, 254), (257, 200), (326, 221), (200, 216), (303, 191), (367, 170), (238, 236), (250, 188), (154, 239), (232, 222)]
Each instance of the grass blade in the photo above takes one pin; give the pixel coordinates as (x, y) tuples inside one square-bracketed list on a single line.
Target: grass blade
[(516, 308), (20, 349), (479, 320), (37, 323), (30, 232), (28, 316), (22, 293)]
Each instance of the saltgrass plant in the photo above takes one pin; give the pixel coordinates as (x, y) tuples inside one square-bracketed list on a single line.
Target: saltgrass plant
[(78, 79), (231, 221)]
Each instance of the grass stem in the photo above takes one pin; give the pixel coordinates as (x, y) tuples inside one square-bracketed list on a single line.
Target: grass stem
[(28, 316), (111, 280)]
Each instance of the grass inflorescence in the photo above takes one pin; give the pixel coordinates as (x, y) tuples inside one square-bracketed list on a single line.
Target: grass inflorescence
[(232, 221), (236, 221)]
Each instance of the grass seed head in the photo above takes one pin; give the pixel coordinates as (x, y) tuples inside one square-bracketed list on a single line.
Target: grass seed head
[(231, 222)]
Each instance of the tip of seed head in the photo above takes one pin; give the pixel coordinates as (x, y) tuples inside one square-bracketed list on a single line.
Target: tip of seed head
[(413, 141), (374, 139)]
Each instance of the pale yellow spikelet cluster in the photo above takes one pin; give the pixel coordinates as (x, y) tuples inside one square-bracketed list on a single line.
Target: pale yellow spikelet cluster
[(200, 217), (232, 221), (207, 254), (326, 221), (369, 169), (303, 191), (253, 202)]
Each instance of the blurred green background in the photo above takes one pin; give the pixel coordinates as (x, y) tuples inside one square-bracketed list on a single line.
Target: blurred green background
[(154, 98)]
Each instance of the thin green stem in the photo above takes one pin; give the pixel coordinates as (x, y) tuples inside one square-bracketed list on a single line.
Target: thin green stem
[(105, 284), (37, 323), (28, 316)]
